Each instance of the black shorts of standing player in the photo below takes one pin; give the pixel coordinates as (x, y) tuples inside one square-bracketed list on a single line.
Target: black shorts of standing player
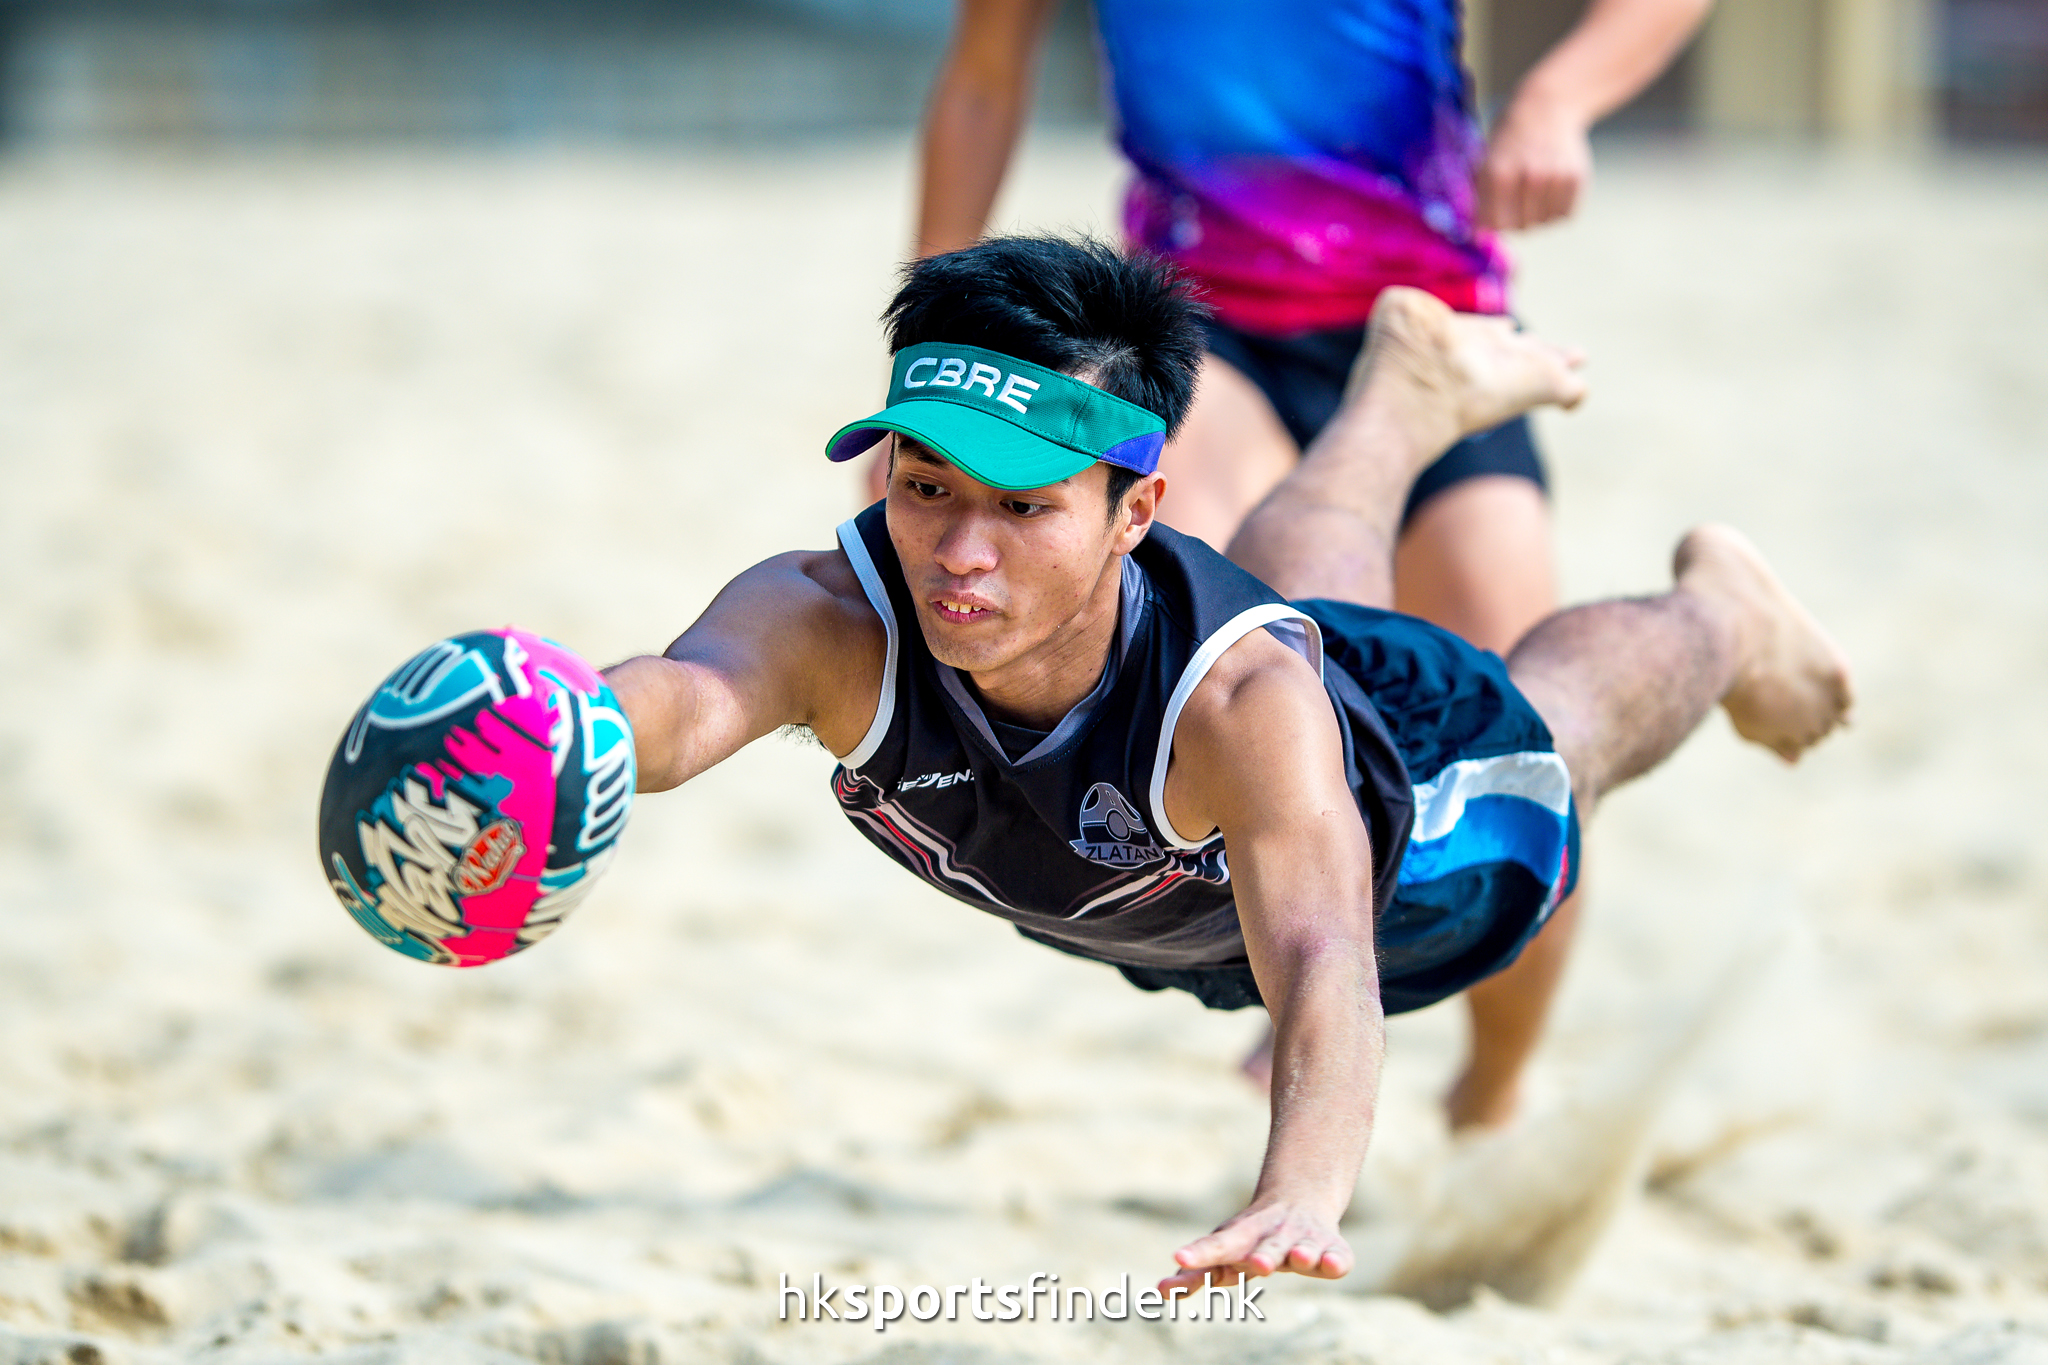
[(1303, 378)]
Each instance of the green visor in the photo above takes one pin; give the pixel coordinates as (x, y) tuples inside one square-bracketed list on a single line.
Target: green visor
[(1007, 422)]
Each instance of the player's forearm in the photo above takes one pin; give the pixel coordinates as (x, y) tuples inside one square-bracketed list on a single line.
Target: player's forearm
[(670, 710), (1328, 1046), (970, 134), (1617, 48)]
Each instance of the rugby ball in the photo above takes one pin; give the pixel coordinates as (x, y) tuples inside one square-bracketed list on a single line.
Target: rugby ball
[(476, 797)]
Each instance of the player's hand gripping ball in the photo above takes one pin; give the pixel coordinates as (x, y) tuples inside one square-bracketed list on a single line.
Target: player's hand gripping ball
[(476, 797)]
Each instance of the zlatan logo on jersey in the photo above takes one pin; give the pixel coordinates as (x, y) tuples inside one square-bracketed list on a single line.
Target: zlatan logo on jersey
[(1112, 833)]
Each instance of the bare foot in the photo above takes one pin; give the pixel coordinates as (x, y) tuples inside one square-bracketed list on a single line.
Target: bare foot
[(1470, 371), (1473, 1105), (1257, 1065), (1793, 685)]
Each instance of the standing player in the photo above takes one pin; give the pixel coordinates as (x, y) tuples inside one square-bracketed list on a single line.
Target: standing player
[(1247, 780), (1296, 158)]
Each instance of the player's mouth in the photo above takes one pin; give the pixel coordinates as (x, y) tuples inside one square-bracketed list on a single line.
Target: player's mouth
[(961, 610)]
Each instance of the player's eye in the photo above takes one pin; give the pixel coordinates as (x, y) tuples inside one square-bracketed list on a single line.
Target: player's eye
[(921, 488), (1018, 507)]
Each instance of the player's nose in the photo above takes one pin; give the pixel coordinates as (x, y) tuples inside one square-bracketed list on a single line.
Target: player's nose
[(966, 547)]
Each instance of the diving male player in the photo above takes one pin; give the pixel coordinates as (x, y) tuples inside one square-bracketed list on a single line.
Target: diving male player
[(1242, 778)]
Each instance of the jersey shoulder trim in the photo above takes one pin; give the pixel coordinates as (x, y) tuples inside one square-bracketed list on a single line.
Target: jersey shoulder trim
[(878, 597), (1291, 626)]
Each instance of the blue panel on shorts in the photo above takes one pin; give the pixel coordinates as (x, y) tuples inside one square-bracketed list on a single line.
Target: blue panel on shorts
[(1492, 829)]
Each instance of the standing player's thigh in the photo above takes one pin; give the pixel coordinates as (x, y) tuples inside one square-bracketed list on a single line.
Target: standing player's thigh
[(1475, 559), (1228, 454)]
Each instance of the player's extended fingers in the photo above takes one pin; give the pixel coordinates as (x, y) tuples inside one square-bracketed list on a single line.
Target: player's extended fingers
[(1336, 1263), (1272, 1253), (1322, 1258), (1304, 1256), (1227, 1245)]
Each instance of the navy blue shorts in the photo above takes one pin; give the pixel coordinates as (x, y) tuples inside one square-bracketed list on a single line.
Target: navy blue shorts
[(1495, 843), (1303, 378)]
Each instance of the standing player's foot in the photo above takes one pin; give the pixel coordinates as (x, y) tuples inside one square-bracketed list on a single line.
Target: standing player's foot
[(1793, 685), (1462, 371), (1476, 1103)]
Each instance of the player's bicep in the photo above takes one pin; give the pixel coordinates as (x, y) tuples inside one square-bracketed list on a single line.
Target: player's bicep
[(1265, 762), (785, 643)]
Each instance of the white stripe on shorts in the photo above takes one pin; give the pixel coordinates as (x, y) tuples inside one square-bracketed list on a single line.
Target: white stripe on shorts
[(1531, 775)]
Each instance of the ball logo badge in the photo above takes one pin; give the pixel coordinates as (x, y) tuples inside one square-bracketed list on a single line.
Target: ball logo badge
[(1112, 832), (476, 797), (488, 859)]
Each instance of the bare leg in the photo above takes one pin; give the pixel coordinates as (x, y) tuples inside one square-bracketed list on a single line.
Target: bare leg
[(1507, 1012), (1426, 377), (1621, 684), (1475, 559), (1225, 458)]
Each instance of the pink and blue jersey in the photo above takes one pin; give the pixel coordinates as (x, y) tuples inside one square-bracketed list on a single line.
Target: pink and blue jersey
[(1298, 156)]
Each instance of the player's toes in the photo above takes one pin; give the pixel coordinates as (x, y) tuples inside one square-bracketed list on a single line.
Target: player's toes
[(1568, 387), (1791, 710), (1795, 685)]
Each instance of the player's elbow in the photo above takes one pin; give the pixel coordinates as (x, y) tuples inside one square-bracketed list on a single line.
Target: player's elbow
[(1328, 965)]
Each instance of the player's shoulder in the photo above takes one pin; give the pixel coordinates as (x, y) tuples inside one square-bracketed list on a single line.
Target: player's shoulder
[(1256, 670), (795, 634), (819, 590), (828, 572), (1255, 739), (1259, 693)]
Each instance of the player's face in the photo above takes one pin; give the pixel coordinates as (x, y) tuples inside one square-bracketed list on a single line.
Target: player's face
[(1004, 577)]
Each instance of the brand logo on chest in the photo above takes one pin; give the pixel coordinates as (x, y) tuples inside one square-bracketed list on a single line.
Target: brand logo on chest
[(1111, 832), (911, 784)]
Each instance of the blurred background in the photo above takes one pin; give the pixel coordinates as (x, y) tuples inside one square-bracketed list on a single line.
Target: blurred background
[(205, 72)]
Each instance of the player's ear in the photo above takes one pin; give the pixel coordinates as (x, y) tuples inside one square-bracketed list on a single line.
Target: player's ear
[(1141, 506)]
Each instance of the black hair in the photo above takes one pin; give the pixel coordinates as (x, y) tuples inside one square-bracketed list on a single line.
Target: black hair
[(1128, 324)]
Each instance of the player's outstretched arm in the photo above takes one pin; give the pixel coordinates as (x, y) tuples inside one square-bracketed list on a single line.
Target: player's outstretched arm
[(1259, 756), (792, 641)]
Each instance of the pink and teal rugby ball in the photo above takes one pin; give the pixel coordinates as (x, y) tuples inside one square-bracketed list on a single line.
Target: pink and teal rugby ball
[(476, 797)]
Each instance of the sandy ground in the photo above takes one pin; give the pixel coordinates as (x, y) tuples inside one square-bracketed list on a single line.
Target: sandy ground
[(265, 429)]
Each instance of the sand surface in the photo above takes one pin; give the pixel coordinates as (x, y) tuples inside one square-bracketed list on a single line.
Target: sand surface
[(267, 428)]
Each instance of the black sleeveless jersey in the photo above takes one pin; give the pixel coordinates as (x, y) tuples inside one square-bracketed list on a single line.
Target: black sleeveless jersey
[(1068, 840)]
